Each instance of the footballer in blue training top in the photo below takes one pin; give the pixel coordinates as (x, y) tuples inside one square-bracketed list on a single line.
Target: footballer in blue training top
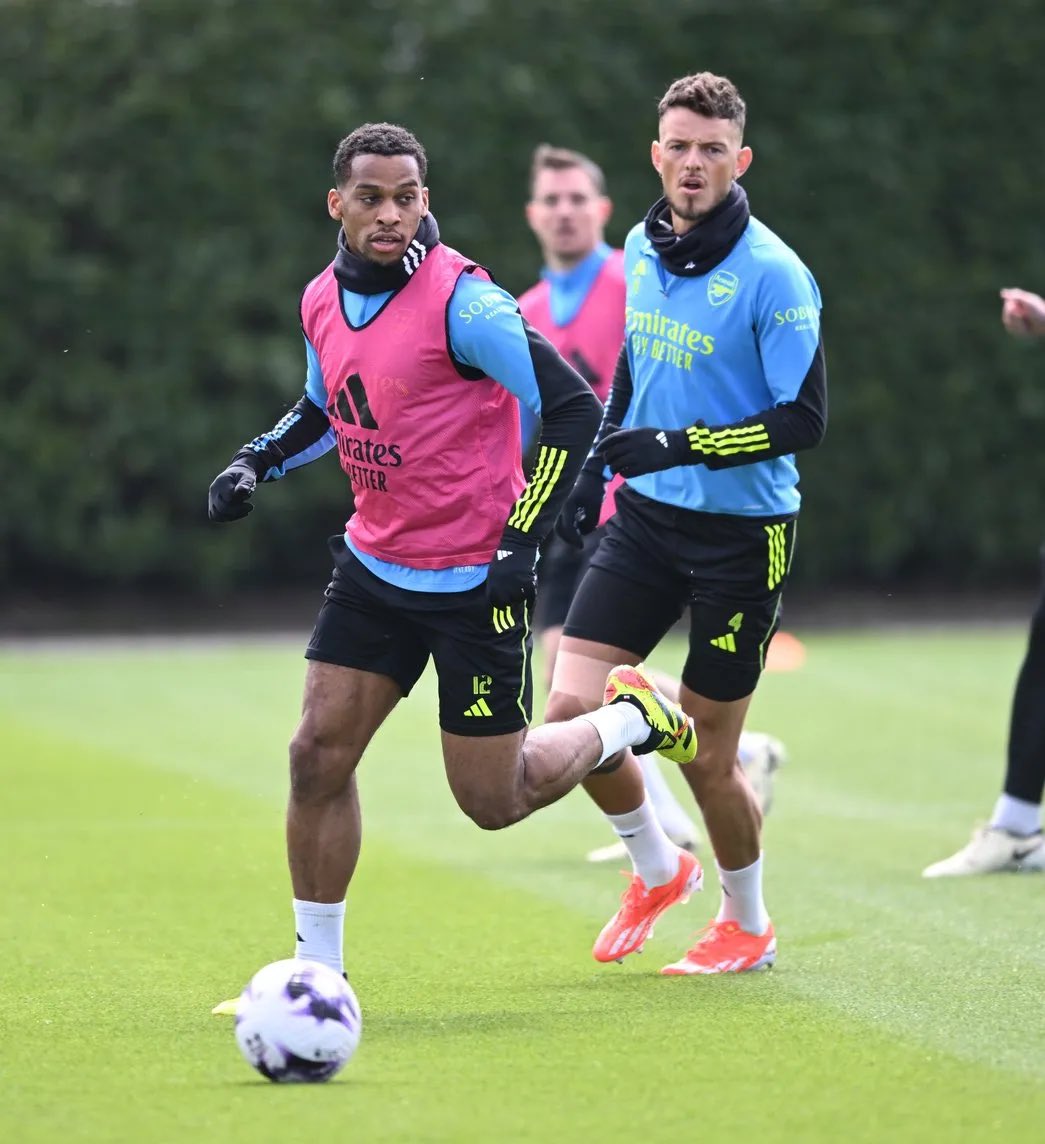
[(719, 382)]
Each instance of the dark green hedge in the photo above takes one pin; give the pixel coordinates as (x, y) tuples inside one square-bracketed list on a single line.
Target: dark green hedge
[(164, 172)]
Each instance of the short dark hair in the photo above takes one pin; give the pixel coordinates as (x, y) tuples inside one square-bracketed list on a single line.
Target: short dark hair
[(549, 158), (707, 94), (377, 139)]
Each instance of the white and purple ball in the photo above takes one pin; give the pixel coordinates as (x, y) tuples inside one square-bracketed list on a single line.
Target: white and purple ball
[(298, 1021)]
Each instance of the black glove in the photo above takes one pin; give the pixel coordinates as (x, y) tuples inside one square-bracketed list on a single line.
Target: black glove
[(632, 452), (512, 579), (580, 513), (231, 490)]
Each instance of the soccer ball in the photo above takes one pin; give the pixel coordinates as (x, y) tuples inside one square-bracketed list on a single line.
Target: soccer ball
[(298, 1021)]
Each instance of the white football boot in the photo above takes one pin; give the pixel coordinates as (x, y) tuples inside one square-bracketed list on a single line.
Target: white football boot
[(992, 850), (761, 756)]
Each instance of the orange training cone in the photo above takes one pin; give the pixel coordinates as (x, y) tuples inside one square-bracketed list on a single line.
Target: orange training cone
[(786, 653)]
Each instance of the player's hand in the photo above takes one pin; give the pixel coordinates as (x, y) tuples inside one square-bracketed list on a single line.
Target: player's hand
[(632, 452), (580, 513), (512, 578), (1023, 313), (230, 492)]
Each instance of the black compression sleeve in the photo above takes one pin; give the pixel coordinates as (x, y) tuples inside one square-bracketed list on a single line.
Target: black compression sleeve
[(775, 432), (569, 416), (616, 407), (301, 427)]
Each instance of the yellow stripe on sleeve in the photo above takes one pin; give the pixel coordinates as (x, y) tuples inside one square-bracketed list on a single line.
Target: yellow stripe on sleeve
[(550, 463)]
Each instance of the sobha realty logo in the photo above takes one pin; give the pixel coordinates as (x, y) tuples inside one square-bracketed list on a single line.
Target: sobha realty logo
[(722, 287)]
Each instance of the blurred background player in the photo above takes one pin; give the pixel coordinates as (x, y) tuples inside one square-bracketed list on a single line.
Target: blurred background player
[(579, 307), (720, 381), (1013, 838)]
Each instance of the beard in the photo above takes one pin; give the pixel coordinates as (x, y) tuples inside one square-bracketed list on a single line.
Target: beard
[(684, 208)]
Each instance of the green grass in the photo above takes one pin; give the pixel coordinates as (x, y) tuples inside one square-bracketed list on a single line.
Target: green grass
[(141, 822)]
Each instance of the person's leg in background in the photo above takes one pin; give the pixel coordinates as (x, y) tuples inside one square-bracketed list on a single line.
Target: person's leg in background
[(761, 756), (558, 574), (1013, 839)]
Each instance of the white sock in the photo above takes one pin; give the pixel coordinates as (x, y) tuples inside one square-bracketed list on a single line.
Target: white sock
[(669, 810), (619, 725), (320, 932), (1016, 815), (742, 897), (654, 856)]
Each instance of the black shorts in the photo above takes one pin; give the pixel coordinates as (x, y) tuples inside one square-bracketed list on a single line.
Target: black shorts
[(655, 560), (485, 676), (559, 572)]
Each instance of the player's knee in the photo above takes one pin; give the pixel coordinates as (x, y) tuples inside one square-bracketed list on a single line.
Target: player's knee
[(492, 815), (713, 775), (496, 818), (562, 706), (713, 766), (320, 768)]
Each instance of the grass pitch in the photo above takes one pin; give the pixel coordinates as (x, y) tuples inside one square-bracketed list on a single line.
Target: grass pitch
[(141, 821)]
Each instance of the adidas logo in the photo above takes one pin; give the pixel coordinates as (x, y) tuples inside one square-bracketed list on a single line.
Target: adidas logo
[(724, 643), (662, 438), (503, 620), (503, 553), (414, 256), (479, 707)]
